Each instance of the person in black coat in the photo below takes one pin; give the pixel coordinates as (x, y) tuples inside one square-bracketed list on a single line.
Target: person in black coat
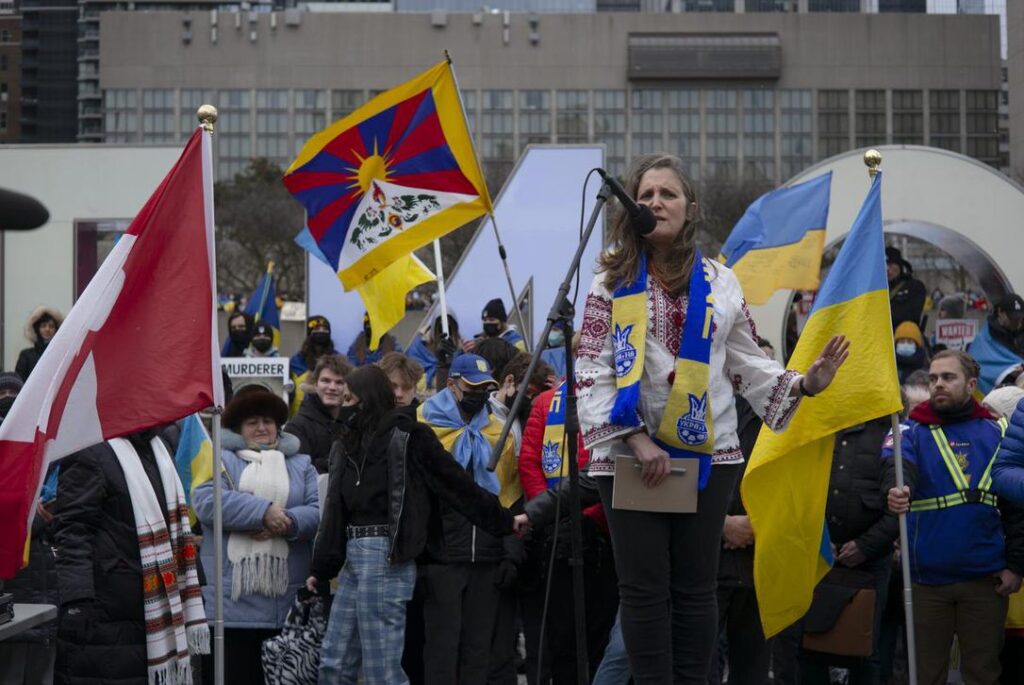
[(101, 636), (42, 325), (388, 474), (862, 531), (906, 293), (316, 424)]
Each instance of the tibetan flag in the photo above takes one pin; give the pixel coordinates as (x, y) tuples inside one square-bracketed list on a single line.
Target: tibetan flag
[(390, 177), (786, 482), (121, 363), (194, 457), (262, 304), (778, 241)]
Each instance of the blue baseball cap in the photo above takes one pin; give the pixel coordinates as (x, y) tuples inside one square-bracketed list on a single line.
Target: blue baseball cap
[(471, 368)]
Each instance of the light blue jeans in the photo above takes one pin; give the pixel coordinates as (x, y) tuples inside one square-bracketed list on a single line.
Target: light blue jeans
[(614, 668), (367, 623)]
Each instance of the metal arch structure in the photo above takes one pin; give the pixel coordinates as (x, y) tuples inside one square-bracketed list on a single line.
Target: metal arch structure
[(965, 208)]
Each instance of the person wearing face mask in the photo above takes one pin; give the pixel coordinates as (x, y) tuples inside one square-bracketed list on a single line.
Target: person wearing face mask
[(966, 545), (318, 343), (465, 568), (262, 343), (388, 474), (911, 355), (316, 424), (240, 328), (554, 353), (42, 325), (359, 352), (495, 325), (271, 512)]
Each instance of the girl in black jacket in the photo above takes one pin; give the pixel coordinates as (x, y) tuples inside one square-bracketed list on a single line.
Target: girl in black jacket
[(387, 473)]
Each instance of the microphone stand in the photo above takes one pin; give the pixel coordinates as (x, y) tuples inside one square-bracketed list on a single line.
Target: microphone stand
[(562, 310)]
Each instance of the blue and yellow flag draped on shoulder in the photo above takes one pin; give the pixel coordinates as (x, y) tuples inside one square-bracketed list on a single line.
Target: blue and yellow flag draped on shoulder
[(386, 180), (778, 241), (786, 482)]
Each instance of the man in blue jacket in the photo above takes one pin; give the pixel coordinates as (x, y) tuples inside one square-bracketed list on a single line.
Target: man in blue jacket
[(1008, 471), (966, 547)]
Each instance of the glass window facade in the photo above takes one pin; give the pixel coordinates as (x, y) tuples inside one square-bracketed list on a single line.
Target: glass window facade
[(497, 130), (273, 138), (309, 115), (534, 117), (944, 119), (647, 122), (908, 117), (870, 117), (795, 132), (158, 124), (573, 116), (683, 124), (121, 115), (833, 122), (722, 128), (983, 125), (610, 127), (759, 135), (234, 131)]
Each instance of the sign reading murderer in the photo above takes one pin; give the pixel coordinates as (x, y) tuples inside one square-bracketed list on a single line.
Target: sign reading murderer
[(271, 372), (955, 334)]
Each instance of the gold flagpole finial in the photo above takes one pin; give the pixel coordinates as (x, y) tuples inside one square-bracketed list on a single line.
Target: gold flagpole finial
[(873, 160), (270, 266), (207, 115)]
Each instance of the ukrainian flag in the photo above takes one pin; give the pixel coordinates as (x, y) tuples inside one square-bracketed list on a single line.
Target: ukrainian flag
[(386, 180), (786, 482), (193, 458), (262, 304), (778, 241)]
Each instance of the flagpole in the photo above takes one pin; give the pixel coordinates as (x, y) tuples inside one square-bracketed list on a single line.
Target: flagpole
[(873, 159), (266, 292), (207, 116), (439, 269), (502, 253)]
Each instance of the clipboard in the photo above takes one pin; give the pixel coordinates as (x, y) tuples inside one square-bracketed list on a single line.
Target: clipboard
[(677, 494)]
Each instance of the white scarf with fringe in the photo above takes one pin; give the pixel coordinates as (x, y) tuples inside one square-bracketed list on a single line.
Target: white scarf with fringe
[(260, 567), (172, 600)]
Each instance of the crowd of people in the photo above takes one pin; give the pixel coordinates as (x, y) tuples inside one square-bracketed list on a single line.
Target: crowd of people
[(371, 488)]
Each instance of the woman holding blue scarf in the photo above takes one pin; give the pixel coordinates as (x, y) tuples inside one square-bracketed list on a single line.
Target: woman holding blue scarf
[(666, 341), (387, 474)]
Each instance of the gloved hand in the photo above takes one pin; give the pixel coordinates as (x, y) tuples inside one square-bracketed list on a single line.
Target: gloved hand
[(506, 574), (445, 352)]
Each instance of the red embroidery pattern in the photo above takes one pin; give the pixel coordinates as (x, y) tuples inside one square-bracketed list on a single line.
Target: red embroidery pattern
[(778, 394), (749, 318), (602, 432), (597, 319)]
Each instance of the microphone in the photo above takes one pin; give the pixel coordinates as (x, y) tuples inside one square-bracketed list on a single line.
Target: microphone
[(640, 217), (20, 212)]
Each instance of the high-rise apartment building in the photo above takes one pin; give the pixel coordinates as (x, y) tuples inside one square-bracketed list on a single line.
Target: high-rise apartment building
[(49, 71), (10, 76)]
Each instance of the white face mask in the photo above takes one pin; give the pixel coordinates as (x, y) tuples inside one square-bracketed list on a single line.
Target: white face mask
[(906, 349)]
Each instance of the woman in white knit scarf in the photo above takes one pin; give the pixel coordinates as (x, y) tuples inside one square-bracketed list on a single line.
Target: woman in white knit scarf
[(270, 518)]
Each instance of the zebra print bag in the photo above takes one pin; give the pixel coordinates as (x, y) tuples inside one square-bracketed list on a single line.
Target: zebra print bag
[(293, 656)]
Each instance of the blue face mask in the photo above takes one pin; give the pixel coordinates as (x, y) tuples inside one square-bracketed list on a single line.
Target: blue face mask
[(906, 349), (556, 338)]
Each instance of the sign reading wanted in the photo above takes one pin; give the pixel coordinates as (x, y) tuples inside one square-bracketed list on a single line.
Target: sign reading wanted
[(955, 334), (271, 372)]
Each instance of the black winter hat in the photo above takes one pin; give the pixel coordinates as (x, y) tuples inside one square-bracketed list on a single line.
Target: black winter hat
[(10, 381), (254, 400), (495, 309), (264, 329), (894, 256)]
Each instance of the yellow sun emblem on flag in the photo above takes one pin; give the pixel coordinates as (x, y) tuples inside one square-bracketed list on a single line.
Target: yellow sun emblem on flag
[(372, 168)]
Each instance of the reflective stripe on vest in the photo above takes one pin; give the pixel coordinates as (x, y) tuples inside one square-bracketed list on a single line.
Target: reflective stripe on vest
[(965, 494)]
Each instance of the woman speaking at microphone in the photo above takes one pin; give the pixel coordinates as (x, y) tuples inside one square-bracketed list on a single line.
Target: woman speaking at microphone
[(666, 341)]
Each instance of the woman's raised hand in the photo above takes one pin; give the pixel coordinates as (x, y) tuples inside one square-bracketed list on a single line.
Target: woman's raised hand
[(824, 368)]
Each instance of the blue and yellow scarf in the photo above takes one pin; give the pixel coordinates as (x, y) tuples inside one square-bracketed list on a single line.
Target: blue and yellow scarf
[(552, 459), (686, 429)]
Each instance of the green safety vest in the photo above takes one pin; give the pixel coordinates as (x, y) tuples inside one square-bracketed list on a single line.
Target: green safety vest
[(965, 494)]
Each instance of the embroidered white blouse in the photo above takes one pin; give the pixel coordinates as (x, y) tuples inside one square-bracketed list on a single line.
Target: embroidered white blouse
[(737, 366)]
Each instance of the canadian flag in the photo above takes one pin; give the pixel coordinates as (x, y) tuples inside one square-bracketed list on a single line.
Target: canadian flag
[(138, 349)]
